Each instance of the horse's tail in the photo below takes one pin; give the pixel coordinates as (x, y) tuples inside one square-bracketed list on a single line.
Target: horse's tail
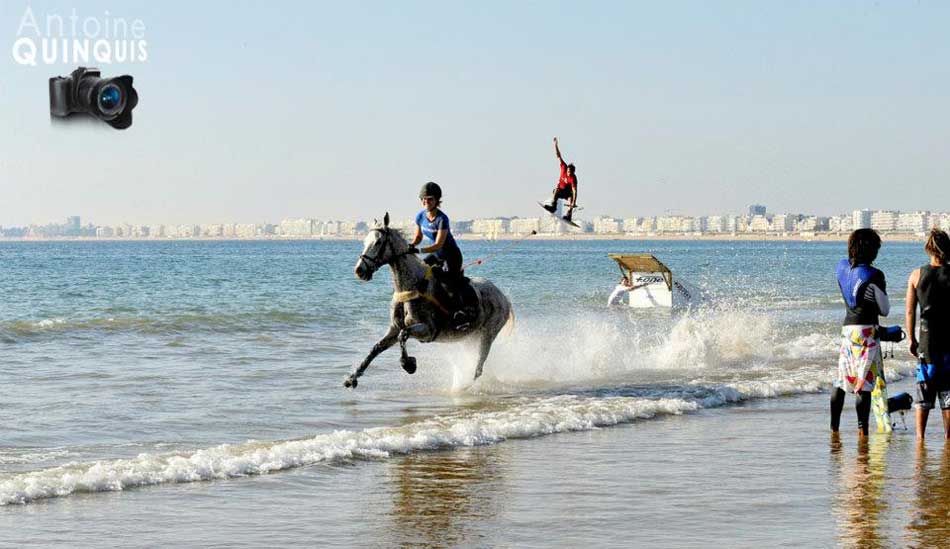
[(509, 326)]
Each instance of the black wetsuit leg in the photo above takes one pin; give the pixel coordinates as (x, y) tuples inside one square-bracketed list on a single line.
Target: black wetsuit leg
[(837, 404), (863, 406)]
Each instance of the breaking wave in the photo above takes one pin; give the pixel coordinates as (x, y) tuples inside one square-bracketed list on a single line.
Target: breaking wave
[(521, 418)]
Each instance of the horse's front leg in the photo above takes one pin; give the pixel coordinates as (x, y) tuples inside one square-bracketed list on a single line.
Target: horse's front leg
[(423, 332), (388, 340), (407, 362)]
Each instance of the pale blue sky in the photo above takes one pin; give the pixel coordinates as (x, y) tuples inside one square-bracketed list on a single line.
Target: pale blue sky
[(251, 111)]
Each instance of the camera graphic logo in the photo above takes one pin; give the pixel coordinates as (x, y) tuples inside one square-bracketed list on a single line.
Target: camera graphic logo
[(85, 91)]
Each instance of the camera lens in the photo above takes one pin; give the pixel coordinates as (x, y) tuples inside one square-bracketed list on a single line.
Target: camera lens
[(85, 91), (110, 99)]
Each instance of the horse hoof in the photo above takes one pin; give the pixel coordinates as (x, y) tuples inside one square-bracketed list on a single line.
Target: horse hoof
[(350, 382), (408, 364)]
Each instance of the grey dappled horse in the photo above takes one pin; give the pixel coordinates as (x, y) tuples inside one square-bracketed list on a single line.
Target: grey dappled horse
[(412, 313)]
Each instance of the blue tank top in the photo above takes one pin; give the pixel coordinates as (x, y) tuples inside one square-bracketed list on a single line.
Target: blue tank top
[(430, 229)]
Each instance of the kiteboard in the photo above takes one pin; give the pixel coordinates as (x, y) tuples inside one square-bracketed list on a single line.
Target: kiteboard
[(558, 217)]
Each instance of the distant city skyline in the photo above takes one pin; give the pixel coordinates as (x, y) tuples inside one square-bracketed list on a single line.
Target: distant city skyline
[(757, 220), (248, 113)]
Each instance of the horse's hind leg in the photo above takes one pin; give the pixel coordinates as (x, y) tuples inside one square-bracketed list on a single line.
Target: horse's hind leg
[(484, 346), (388, 340)]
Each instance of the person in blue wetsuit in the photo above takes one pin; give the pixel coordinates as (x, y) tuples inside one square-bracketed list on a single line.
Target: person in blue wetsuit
[(929, 288), (860, 361), (443, 252)]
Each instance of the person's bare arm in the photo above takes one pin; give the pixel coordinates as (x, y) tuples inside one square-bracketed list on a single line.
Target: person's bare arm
[(557, 151), (418, 238), (910, 311)]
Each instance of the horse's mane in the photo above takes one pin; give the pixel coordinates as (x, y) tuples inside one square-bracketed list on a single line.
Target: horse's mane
[(397, 232)]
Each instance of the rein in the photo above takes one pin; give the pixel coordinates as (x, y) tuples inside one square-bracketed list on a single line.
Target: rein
[(375, 264)]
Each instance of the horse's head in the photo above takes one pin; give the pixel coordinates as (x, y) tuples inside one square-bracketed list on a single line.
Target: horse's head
[(380, 247)]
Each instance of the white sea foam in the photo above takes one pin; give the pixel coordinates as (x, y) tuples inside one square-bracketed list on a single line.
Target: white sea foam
[(585, 347), (14, 456), (50, 322), (712, 360), (523, 420), (528, 417)]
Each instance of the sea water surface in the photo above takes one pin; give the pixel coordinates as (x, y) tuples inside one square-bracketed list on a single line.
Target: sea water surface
[(190, 393)]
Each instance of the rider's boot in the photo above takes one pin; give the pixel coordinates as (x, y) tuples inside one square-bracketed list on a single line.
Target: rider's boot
[(464, 313)]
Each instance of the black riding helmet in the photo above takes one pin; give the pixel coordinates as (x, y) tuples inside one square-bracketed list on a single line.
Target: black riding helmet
[(430, 189)]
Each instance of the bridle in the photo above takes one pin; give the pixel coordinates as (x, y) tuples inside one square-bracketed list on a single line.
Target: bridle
[(375, 264)]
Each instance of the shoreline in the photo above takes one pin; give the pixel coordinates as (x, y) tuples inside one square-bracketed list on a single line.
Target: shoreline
[(818, 237)]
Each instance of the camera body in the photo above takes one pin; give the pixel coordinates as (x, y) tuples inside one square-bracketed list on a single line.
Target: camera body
[(85, 91)]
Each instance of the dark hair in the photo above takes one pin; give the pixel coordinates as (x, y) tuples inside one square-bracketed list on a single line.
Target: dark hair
[(863, 245), (571, 167), (938, 245)]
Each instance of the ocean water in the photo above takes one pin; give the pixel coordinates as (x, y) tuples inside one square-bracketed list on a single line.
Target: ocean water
[(190, 393)]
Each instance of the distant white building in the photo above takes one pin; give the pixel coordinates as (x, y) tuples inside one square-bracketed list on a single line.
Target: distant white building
[(247, 230), (631, 224), (841, 223), (783, 223), (189, 231), (493, 226), (296, 227), (349, 228), (860, 219), (913, 222), (940, 220), (811, 224), (674, 224), (212, 230), (884, 221), (524, 225), (607, 225), (741, 224), (759, 224), (330, 228)]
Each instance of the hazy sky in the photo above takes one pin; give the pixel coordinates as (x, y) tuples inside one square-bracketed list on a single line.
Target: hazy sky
[(256, 111)]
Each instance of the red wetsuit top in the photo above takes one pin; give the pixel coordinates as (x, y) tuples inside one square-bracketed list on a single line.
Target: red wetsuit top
[(566, 181)]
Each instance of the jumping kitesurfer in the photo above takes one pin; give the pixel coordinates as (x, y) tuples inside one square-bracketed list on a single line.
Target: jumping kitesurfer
[(929, 288), (864, 291), (566, 186)]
